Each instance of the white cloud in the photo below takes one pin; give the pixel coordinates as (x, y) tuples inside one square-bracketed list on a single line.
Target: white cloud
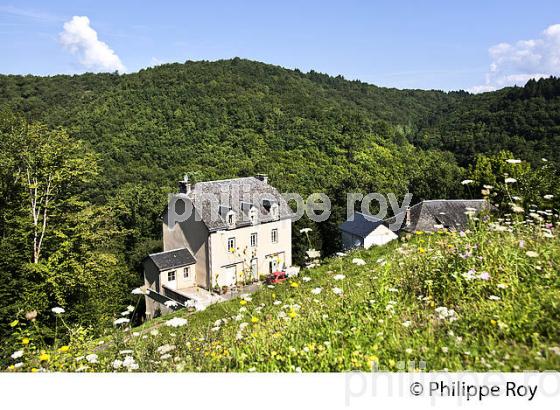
[(515, 64), (80, 39)]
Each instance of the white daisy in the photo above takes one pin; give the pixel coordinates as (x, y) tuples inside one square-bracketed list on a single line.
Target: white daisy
[(92, 358), (176, 322), (121, 320)]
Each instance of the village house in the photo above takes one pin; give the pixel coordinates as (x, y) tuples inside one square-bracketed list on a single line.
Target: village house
[(364, 231), (236, 230), (437, 214)]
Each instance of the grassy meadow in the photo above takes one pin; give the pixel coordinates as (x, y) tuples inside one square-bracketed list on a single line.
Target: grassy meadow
[(484, 300)]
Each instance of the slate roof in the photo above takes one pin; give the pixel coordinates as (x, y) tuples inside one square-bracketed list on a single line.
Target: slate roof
[(451, 213), (236, 194), (172, 259), (360, 225)]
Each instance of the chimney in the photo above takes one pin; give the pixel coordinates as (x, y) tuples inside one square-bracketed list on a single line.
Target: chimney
[(184, 185), (407, 220), (262, 177)]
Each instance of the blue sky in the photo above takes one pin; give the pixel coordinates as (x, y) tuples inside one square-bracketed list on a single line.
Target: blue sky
[(404, 44)]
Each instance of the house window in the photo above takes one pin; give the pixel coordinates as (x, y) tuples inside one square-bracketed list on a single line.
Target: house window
[(171, 276), (231, 245), (253, 240), (274, 211), (186, 272), (274, 236), (230, 219)]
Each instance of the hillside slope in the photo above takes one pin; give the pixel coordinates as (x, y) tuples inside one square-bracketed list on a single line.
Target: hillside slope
[(158, 122), (485, 300), (138, 133)]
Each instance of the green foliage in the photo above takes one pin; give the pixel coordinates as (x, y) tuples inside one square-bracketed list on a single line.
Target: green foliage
[(528, 188), (57, 248), (99, 153), (474, 302), (523, 120)]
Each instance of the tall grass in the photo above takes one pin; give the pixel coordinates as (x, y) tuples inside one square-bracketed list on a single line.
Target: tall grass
[(488, 299)]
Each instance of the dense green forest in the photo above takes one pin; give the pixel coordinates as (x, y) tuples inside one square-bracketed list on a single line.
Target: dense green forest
[(95, 155)]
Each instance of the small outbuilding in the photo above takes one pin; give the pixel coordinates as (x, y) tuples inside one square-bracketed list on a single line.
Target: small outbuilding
[(365, 231), (435, 215)]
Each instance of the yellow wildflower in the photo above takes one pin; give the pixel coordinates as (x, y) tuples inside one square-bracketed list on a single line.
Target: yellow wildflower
[(14, 323), (493, 322), (294, 284), (44, 357), (292, 313), (64, 349), (25, 341), (242, 302), (11, 367), (372, 359), (254, 319), (34, 370), (421, 250)]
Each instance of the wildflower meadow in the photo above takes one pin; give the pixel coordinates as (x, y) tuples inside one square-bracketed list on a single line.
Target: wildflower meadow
[(486, 299)]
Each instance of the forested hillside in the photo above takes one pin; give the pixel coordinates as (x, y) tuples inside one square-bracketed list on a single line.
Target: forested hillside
[(125, 139), (524, 120)]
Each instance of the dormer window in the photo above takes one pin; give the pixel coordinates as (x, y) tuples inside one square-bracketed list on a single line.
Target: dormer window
[(230, 219), (254, 215), (271, 206), (274, 211)]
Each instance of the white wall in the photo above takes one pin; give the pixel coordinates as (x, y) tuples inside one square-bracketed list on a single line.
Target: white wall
[(193, 235), (380, 236), (180, 281), (222, 258)]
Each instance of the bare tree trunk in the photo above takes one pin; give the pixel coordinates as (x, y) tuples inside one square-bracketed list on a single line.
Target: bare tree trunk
[(37, 211)]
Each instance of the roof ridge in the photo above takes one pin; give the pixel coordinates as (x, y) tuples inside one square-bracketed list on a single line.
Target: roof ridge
[(367, 216), (226, 180), (449, 200), (171, 250)]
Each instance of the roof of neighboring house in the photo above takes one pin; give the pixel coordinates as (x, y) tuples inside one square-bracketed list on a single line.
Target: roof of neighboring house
[(172, 259), (360, 225), (451, 213), (239, 195)]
